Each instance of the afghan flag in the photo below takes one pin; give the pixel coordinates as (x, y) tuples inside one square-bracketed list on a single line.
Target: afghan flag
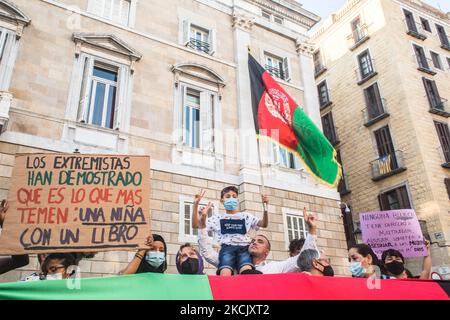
[(286, 286), (278, 117)]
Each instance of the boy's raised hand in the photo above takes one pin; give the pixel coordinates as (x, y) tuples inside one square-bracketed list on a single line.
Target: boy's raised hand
[(204, 214), (199, 196)]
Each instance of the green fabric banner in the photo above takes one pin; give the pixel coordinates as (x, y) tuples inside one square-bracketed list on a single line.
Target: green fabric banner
[(144, 286)]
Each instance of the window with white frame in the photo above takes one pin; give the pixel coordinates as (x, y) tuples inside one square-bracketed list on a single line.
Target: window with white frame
[(271, 17), (115, 10), (191, 119), (199, 37), (278, 20), (283, 157), (198, 125), (101, 90), (266, 15), (4, 35), (436, 60), (186, 208), (277, 67), (7, 44), (295, 227)]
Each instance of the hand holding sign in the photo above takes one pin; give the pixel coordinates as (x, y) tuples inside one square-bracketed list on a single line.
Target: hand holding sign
[(393, 229), (76, 203)]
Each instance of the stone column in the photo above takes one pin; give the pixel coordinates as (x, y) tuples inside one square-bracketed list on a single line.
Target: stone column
[(311, 107), (248, 147)]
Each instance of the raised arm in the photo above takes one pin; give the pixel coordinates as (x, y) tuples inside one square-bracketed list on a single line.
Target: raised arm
[(290, 264), (265, 220), (204, 242), (134, 264), (426, 268), (197, 199)]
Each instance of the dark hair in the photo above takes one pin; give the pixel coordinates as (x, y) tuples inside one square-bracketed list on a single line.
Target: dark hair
[(67, 260), (296, 244), (392, 253), (187, 244), (365, 250), (228, 189)]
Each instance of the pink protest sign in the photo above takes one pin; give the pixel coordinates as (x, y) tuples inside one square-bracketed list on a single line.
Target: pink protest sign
[(394, 229)]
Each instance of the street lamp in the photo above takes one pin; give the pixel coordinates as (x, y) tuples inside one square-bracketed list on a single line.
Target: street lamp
[(358, 233)]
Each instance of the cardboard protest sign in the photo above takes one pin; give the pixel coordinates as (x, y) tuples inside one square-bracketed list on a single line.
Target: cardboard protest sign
[(77, 203), (394, 229)]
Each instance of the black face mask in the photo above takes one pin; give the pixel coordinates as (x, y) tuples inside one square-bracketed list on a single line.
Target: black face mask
[(395, 267), (327, 270), (190, 266)]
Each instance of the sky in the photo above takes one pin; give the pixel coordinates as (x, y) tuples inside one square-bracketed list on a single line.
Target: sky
[(324, 8)]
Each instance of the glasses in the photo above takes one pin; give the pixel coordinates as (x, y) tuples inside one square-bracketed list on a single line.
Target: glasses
[(53, 269)]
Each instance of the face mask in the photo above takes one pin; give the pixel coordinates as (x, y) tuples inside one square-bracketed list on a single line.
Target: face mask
[(190, 266), (328, 271), (230, 204), (56, 276), (395, 267), (357, 269), (155, 258)]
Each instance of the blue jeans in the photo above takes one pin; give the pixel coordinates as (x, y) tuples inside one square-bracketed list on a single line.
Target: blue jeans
[(234, 257)]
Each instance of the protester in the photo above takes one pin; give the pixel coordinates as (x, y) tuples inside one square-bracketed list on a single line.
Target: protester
[(259, 248), (152, 260), (231, 230), (295, 246), (56, 266), (12, 262), (394, 263), (364, 263), (188, 260), (313, 263)]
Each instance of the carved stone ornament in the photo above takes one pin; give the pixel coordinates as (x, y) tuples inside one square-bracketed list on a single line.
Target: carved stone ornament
[(243, 22)]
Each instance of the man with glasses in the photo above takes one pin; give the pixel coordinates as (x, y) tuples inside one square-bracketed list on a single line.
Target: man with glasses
[(259, 248), (315, 263)]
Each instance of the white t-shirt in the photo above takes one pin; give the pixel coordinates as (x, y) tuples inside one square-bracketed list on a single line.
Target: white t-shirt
[(232, 229)]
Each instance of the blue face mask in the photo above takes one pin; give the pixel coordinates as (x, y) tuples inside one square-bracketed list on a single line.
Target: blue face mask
[(230, 204), (357, 269), (155, 258)]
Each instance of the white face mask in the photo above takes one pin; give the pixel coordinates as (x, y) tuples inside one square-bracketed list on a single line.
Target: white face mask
[(56, 276)]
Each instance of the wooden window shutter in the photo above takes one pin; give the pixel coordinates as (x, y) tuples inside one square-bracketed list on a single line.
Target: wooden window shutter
[(447, 186)]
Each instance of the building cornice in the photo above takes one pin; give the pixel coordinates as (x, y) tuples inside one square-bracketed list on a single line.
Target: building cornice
[(289, 9)]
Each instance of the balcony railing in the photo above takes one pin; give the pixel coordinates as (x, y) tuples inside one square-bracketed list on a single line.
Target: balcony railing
[(387, 165), (343, 188), (415, 29), (319, 68), (358, 37), (369, 74), (276, 72), (441, 108), (199, 45), (374, 114), (445, 156), (425, 65)]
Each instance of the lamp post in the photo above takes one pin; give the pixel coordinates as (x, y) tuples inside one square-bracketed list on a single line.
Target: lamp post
[(346, 215)]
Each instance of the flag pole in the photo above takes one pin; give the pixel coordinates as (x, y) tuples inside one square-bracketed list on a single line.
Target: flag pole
[(261, 173)]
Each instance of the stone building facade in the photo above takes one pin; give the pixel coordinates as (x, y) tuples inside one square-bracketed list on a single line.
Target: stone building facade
[(167, 79), (382, 71)]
